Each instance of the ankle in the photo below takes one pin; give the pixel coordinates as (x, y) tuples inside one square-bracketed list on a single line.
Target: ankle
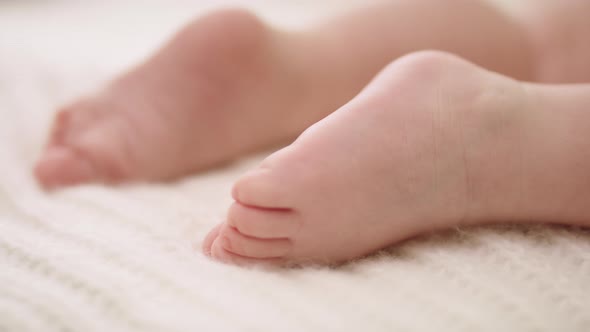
[(242, 26), (558, 164), (495, 125)]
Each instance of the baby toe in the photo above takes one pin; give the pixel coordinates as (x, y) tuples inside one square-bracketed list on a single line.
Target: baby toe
[(225, 256), (209, 239), (262, 188), (263, 223), (60, 127), (73, 120), (62, 166), (245, 246)]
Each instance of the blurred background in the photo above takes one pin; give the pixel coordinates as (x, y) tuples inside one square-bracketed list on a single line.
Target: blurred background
[(117, 33)]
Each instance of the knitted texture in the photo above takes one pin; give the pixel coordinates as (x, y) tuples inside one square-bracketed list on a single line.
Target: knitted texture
[(99, 259)]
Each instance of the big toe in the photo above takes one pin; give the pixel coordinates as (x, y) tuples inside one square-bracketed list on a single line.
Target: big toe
[(264, 188), (61, 166)]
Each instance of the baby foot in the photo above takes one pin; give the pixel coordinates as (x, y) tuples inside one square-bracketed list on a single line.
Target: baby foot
[(432, 143), (222, 87)]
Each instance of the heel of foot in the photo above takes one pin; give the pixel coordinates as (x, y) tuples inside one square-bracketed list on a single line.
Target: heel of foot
[(427, 65), (242, 27)]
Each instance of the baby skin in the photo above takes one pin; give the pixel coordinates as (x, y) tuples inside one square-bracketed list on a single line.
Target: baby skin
[(229, 84), (183, 110), (434, 141)]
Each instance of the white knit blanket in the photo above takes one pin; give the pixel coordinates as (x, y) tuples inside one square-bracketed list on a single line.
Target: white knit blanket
[(122, 259)]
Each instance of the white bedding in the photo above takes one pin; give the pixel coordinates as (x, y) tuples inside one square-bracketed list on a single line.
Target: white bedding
[(121, 259)]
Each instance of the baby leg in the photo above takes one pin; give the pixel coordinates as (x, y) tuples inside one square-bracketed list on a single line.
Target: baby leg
[(228, 84)]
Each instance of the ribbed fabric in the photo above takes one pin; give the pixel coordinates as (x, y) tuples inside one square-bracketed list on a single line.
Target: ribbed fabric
[(122, 259)]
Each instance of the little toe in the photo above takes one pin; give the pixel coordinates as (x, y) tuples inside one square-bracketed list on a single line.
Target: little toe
[(225, 256), (60, 127), (245, 246), (62, 166), (73, 120), (210, 238), (262, 188), (263, 223)]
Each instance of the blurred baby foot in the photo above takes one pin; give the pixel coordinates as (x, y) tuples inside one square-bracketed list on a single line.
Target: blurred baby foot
[(221, 88)]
